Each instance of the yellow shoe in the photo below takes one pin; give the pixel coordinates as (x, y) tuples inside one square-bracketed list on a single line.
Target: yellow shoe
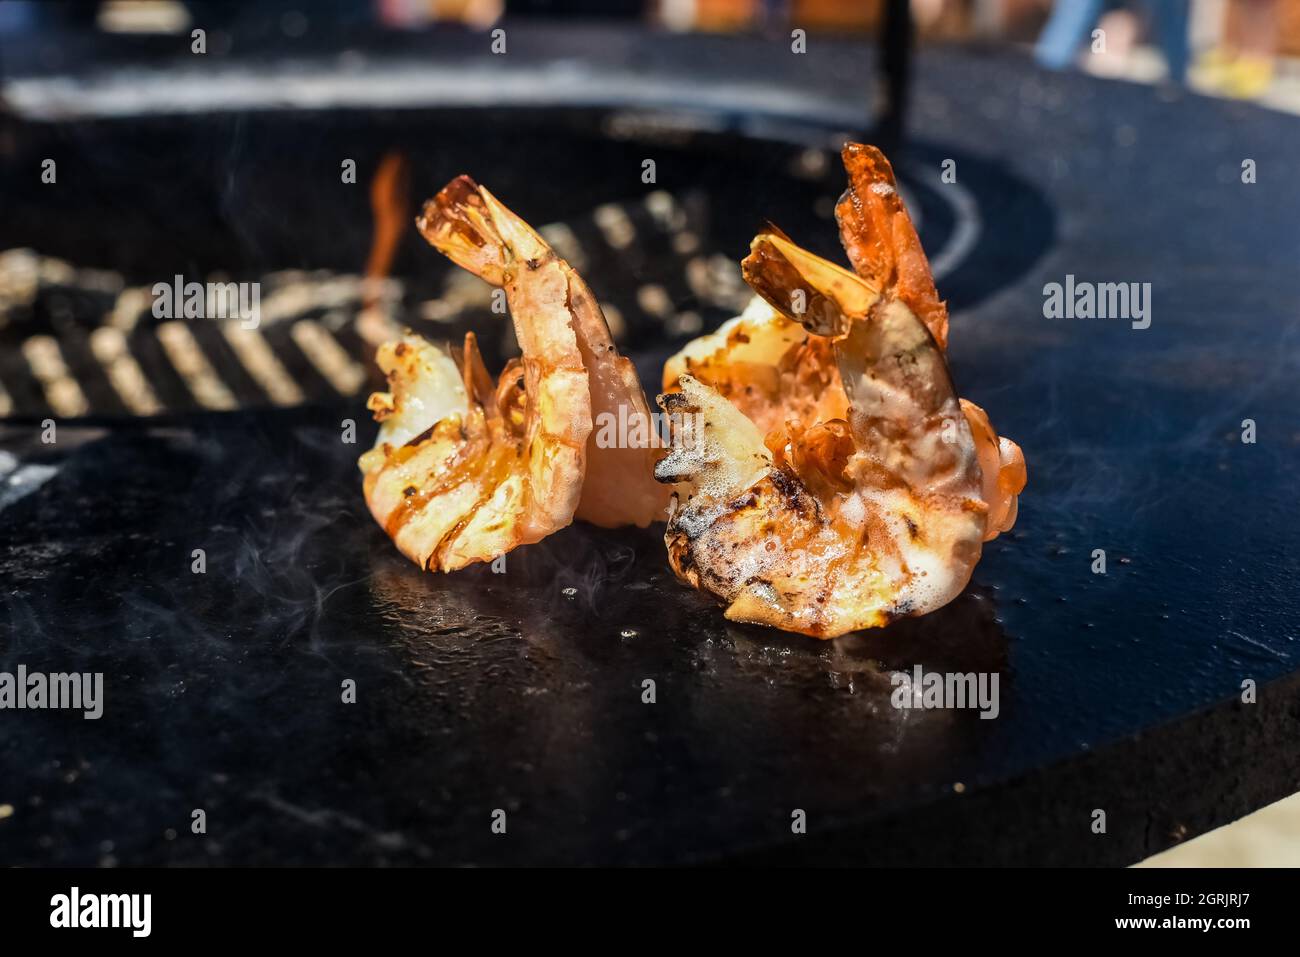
[(1213, 67), (1249, 77)]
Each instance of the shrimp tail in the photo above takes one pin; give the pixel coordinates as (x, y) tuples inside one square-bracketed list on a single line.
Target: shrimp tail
[(473, 229), (458, 223), (478, 381), (880, 239), (822, 297)]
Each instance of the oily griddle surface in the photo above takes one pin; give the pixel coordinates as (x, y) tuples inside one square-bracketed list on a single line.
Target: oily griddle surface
[(478, 691)]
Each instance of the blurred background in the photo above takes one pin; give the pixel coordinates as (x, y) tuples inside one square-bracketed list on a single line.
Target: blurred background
[(212, 137), (288, 144), (1239, 48)]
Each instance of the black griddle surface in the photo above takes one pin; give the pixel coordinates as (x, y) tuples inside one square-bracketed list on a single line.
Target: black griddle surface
[(482, 691)]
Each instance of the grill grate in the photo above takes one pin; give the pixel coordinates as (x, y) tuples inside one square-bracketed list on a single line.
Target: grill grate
[(77, 341)]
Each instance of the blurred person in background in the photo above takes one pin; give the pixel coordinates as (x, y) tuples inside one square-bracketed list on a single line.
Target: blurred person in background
[(1072, 23), (1243, 64)]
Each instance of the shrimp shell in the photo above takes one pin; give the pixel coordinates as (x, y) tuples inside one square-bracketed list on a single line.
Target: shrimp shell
[(847, 524), (464, 470), (840, 482)]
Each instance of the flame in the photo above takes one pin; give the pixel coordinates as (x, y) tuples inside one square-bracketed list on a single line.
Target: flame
[(390, 195)]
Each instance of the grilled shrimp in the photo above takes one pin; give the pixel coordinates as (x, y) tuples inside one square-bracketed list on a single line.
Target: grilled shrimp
[(839, 483), (843, 524), (464, 470)]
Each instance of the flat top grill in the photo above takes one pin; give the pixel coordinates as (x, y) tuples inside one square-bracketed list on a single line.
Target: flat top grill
[(522, 691)]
